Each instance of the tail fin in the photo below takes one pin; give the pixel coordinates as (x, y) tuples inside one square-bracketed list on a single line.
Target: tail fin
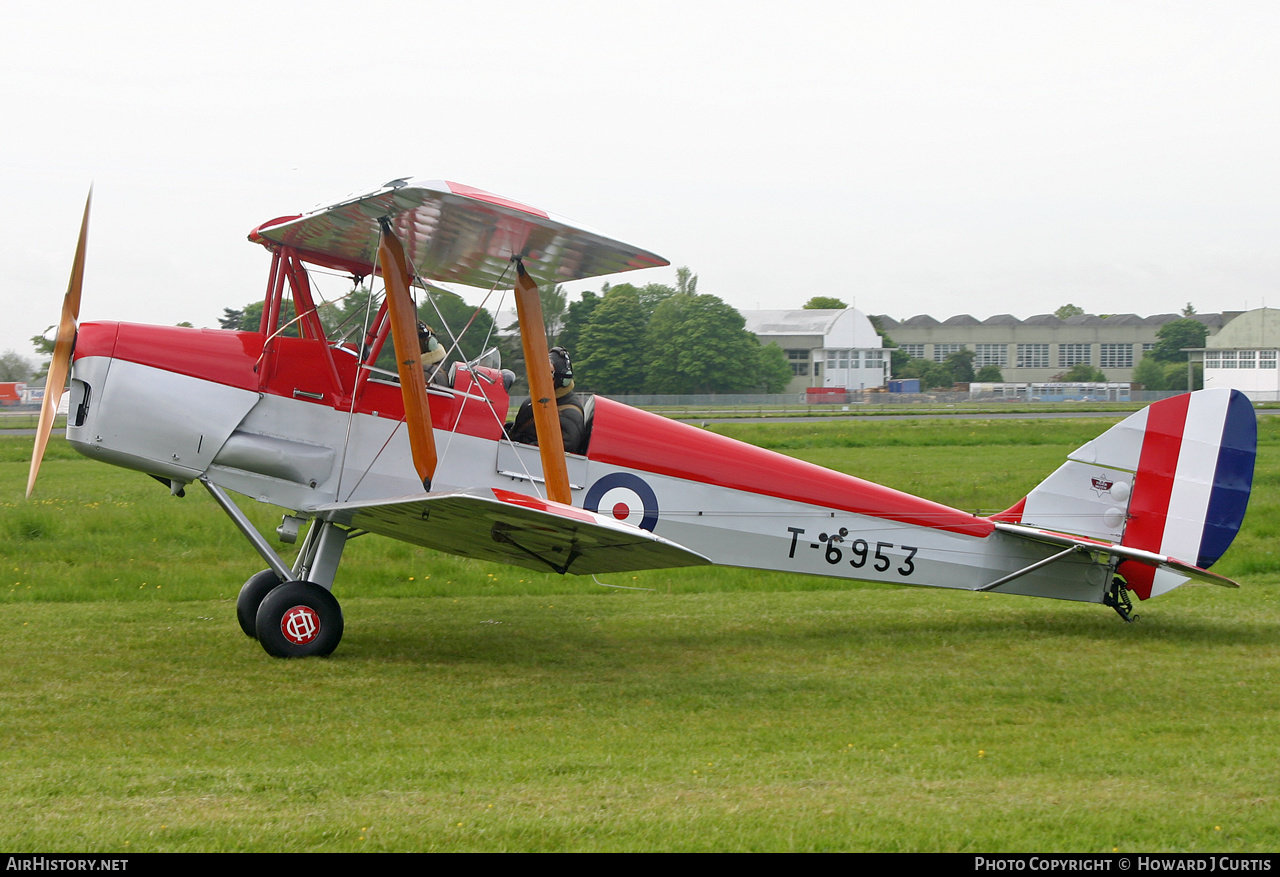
[(1172, 479)]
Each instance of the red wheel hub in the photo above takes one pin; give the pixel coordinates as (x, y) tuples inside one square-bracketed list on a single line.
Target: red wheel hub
[(300, 625)]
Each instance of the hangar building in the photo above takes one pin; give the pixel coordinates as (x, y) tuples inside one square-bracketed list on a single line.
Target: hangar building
[(1243, 355), (1040, 347), (826, 348)]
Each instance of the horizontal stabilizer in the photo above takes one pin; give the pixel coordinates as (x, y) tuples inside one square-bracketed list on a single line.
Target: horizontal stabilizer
[(1147, 558), (513, 528)]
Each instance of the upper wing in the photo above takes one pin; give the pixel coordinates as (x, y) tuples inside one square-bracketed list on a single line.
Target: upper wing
[(513, 528), (454, 233)]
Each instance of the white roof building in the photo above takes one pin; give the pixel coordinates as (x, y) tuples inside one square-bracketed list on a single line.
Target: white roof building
[(826, 348), (1243, 355)]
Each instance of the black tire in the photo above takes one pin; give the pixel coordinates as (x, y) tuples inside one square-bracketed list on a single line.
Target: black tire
[(299, 620), (259, 585)]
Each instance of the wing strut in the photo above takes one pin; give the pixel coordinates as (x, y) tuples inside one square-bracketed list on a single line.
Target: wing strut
[(1070, 549), (546, 416), (404, 335)]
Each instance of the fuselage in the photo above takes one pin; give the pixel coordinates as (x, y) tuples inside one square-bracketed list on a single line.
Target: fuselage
[(300, 423)]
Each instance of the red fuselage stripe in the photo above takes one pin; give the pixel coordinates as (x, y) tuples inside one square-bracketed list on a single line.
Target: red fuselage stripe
[(633, 439)]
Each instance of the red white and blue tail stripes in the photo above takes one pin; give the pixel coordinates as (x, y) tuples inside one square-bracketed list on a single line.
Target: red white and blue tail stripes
[(1192, 482)]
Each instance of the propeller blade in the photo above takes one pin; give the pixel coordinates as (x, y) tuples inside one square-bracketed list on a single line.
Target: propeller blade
[(60, 365)]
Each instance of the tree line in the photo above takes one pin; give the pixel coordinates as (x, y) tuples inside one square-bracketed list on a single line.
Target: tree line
[(626, 339), (664, 339)]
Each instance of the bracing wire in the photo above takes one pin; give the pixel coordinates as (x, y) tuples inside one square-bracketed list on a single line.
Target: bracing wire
[(619, 587)]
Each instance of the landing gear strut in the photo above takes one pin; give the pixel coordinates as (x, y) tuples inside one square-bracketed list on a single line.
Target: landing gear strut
[(1118, 599), (290, 611)]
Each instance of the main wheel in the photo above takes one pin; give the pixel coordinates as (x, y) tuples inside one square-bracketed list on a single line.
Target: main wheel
[(259, 585), (299, 620)]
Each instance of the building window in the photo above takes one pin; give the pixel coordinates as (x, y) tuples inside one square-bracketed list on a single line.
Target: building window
[(942, 351), (1116, 356), (991, 354), (1033, 356), (1248, 358), (799, 361), (914, 351), (1266, 359), (1228, 359), (873, 359), (1073, 354), (1212, 359), (839, 359)]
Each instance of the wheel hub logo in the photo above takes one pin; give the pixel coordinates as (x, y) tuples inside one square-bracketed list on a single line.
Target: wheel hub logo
[(300, 625)]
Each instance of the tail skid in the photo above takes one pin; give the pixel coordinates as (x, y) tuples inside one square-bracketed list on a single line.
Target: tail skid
[(1170, 481)]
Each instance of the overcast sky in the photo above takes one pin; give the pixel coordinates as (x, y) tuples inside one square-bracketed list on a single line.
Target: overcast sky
[(909, 157)]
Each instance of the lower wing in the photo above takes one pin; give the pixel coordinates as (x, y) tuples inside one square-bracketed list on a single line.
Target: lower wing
[(514, 528)]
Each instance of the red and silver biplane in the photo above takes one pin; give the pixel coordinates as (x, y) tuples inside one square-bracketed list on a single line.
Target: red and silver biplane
[(312, 425)]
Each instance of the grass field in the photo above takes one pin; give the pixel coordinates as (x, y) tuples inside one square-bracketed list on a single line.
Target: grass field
[(477, 707)]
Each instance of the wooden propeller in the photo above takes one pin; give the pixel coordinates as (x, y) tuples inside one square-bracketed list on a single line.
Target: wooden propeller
[(60, 366)]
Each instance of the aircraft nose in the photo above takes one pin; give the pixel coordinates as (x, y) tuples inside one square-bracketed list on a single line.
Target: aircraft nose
[(95, 339)]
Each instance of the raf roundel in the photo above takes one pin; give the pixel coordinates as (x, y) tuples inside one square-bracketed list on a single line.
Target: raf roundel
[(625, 497)]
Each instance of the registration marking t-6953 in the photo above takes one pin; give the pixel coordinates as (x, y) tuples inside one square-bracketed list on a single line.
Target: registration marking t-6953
[(861, 552)]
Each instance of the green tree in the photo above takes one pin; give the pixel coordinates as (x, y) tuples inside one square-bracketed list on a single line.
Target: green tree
[(43, 344), (773, 370), (898, 359), (232, 319), (44, 353), (576, 318), (453, 320), (686, 281), (14, 367), (961, 365), (1189, 310), (1156, 375), (611, 355), (989, 374), (932, 374), (251, 318), (1082, 372), (654, 294), (1150, 373), (824, 303), (1176, 335), (1068, 310), (698, 344), (551, 300)]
